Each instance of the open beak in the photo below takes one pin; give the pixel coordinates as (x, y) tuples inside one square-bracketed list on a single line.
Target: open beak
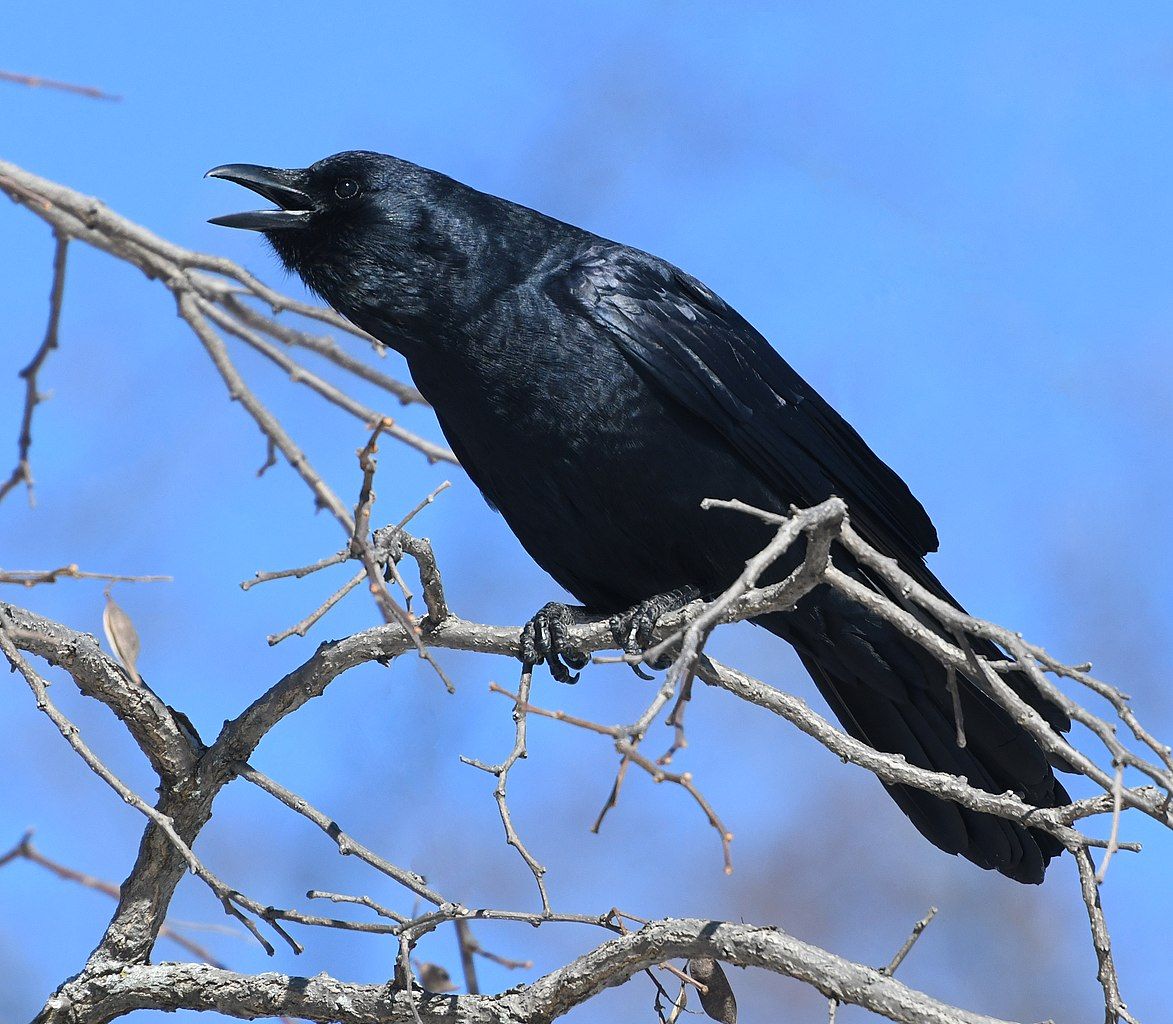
[(283, 187)]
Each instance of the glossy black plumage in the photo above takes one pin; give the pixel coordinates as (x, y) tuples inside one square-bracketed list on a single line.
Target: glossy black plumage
[(596, 394)]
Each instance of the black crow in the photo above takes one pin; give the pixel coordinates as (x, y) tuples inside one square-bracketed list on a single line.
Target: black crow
[(596, 394)]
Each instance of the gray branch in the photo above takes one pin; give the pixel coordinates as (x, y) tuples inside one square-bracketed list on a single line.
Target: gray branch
[(153, 725), (100, 998)]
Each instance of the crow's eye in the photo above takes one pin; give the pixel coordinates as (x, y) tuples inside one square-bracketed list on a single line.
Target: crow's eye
[(346, 188)]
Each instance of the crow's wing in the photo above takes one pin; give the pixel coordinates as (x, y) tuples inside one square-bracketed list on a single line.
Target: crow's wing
[(697, 349)]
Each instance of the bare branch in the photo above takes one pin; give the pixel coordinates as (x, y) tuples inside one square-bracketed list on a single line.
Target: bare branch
[(23, 472), (628, 751), (322, 998), (25, 850), (1114, 1008), (167, 742), (346, 845), (903, 951), (37, 82), (229, 898), (36, 577), (521, 708)]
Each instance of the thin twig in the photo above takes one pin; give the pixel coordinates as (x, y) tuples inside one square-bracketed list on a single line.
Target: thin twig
[(322, 345), (361, 547), (955, 695), (468, 946), (27, 851), (362, 901), (347, 846), (304, 626), (675, 719), (1114, 834), (324, 496), (521, 707), (36, 577), (613, 795), (628, 751), (37, 82), (903, 951), (23, 472), (297, 573)]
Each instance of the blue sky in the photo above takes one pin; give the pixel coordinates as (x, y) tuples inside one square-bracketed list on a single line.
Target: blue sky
[(957, 221)]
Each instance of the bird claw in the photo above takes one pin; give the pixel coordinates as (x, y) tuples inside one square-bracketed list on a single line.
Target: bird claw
[(546, 638), (634, 629)]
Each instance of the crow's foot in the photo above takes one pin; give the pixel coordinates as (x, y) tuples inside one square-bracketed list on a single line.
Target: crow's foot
[(546, 637), (634, 628)]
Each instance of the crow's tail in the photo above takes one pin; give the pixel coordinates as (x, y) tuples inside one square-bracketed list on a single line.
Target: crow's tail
[(891, 694)]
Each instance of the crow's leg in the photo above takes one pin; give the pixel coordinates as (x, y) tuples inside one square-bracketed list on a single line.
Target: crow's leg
[(634, 628), (546, 638)]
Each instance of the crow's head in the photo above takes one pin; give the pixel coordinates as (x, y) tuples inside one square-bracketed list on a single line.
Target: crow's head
[(387, 243), (339, 192)]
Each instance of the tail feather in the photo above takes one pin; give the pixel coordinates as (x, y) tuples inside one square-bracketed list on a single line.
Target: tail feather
[(891, 694)]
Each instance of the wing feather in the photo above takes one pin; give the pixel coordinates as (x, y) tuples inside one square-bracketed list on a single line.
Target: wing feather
[(697, 349)]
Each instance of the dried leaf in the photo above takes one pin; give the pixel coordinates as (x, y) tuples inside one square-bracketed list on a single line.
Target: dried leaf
[(121, 636), (435, 978), (718, 1001)]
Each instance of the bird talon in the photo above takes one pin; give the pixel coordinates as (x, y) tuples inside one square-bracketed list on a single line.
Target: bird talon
[(559, 671), (546, 638), (615, 624), (635, 629)]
